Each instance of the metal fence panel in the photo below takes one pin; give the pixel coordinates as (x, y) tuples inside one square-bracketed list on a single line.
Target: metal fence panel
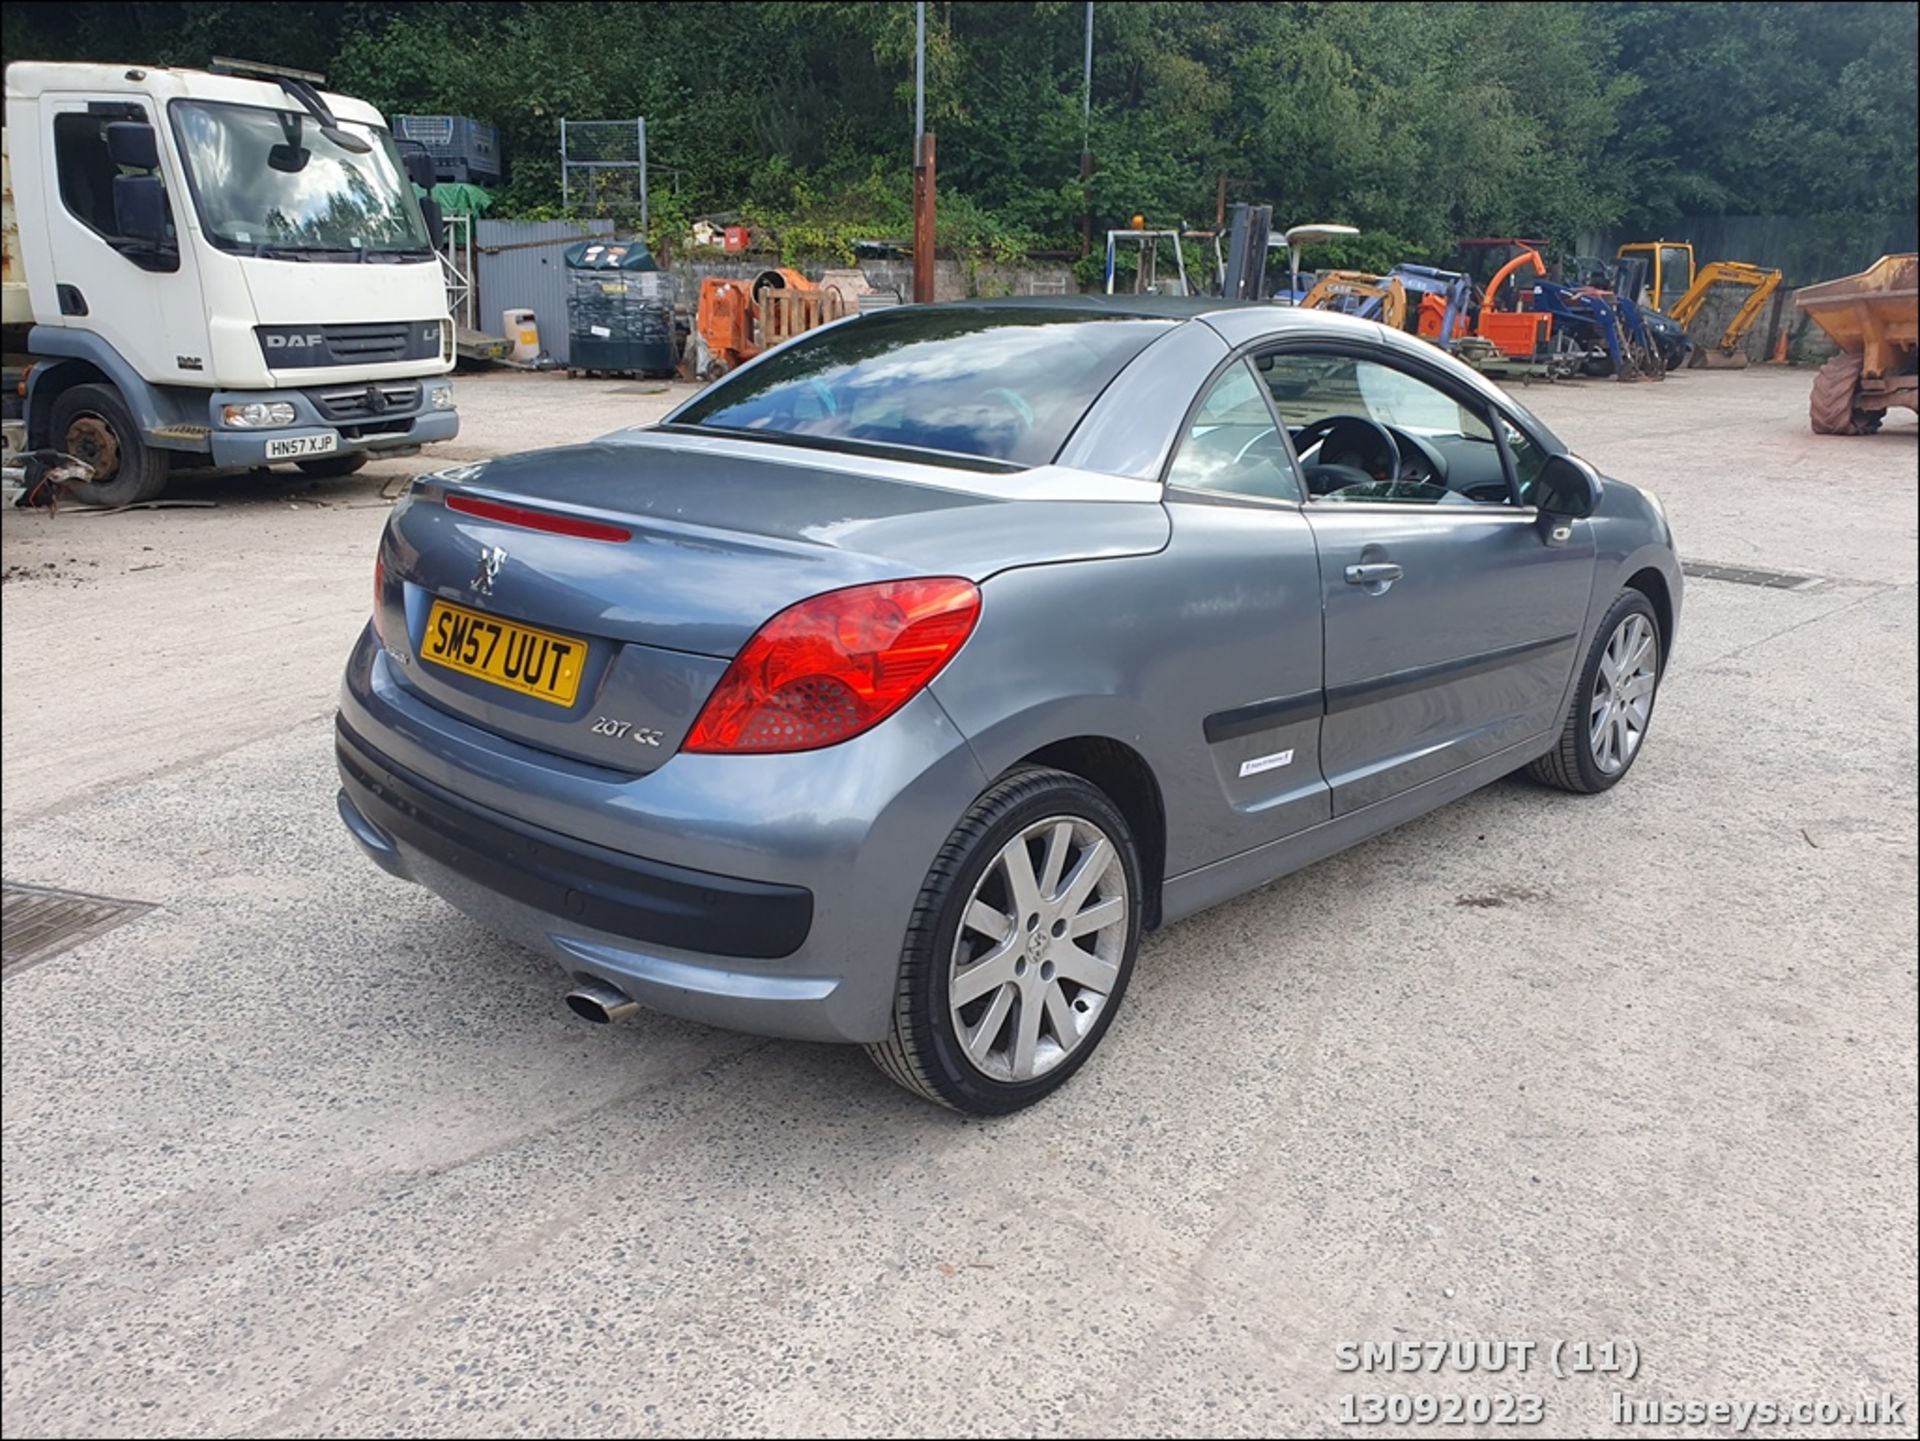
[(1805, 250), (521, 266)]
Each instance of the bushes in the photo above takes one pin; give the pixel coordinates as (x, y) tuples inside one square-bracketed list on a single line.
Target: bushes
[(1417, 123)]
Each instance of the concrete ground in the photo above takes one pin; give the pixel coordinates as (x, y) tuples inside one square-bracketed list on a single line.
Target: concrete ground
[(303, 1151)]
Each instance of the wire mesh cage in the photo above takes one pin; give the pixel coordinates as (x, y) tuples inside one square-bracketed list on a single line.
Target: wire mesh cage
[(603, 167), (619, 309)]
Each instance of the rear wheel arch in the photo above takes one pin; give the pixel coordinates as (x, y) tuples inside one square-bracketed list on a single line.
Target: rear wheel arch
[(1123, 775)]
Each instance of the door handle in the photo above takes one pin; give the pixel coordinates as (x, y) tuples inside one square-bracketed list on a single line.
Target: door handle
[(1379, 574)]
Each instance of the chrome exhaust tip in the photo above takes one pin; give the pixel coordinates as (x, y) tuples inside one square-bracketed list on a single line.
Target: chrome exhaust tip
[(593, 1001)]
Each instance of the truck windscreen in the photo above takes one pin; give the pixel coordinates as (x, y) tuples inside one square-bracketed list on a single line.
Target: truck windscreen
[(267, 182)]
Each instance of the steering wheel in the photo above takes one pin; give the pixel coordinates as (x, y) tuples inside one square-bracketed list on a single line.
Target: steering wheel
[(1365, 434)]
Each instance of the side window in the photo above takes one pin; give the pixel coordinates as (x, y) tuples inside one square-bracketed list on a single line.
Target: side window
[(86, 172), (1527, 458), (1232, 444), (1365, 431)]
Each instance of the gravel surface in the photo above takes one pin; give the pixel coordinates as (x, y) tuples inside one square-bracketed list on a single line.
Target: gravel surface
[(303, 1151)]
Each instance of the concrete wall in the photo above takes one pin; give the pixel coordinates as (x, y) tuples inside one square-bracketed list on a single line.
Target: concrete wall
[(952, 279)]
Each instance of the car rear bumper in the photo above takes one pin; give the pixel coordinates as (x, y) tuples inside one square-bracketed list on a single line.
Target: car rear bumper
[(640, 901), (768, 894)]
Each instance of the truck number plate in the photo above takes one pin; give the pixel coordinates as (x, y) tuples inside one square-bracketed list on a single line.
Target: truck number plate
[(294, 447)]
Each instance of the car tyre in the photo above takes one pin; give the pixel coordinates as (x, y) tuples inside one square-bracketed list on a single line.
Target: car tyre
[(941, 1052), (1612, 708), (92, 423), (345, 463)]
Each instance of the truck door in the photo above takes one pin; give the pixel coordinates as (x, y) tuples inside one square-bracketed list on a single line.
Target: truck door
[(142, 299)]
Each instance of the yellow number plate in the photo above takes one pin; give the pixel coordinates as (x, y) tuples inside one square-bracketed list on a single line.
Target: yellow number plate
[(533, 662)]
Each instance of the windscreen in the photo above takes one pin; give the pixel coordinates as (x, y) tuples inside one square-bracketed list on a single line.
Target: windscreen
[(268, 182), (1002, 386)]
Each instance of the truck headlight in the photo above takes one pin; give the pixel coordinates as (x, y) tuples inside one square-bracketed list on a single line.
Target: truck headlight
[(441, 397), (257, 414)]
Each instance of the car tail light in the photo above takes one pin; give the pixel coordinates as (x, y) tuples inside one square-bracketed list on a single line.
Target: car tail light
[(379, 592), (833, 666)]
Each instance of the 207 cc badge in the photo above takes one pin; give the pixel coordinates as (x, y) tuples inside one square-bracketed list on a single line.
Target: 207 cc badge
[(492, 557)]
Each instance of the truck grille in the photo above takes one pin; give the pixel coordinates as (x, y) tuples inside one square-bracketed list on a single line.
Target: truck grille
[(365, 402), (295, 347), (354, 344)]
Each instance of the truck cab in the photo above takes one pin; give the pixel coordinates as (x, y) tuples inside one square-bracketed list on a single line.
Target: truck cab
[(223, 268)]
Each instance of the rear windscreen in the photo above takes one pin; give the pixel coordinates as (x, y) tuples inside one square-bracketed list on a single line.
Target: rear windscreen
[(1004, 386)]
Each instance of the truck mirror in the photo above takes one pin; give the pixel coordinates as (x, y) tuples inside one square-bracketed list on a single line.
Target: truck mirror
[(420, 169), (132, 145), (140, 208), (288, 159), (436, 219)]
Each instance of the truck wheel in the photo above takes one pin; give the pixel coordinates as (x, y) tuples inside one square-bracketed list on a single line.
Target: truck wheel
[(346, 463), (1830, 408), (92, 423)]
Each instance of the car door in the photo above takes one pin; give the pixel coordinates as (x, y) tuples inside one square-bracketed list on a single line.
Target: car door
[(1248, 686), (1451, 621)]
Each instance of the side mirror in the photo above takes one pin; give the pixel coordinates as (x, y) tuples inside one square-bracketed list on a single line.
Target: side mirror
[(132, 144), (1567, 489), (436, 219), (140, 208), (420, 168)]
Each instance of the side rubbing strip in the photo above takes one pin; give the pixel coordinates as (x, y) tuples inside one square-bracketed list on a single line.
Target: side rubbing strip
[(1405, 682), (1262, 715)]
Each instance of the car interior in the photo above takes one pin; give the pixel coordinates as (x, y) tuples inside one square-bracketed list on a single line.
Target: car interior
[(1361, 431), (1364, 431)]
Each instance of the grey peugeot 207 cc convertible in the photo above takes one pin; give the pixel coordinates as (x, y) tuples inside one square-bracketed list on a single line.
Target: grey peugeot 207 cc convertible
[(892, 686)]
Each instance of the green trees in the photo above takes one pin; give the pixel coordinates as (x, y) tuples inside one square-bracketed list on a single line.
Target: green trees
[(1417, 122)]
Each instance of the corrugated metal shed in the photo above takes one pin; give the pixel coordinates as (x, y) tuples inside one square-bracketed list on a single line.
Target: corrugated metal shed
[(520, 264)]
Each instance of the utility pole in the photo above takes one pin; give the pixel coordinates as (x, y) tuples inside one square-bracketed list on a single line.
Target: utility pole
[(1086, 137), (922, 165)]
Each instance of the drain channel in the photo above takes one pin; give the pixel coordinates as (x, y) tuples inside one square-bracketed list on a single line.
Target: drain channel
[(1750, 575)]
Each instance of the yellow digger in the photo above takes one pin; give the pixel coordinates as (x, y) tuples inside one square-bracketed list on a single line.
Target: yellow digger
[(1671, 276), (1669, 270), (1357, 292)]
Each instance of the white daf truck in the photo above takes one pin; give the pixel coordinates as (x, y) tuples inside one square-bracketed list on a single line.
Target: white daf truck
[(220, 268)]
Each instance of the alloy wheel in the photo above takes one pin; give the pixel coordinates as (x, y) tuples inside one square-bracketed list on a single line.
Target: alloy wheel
[(1623, 694), (1039, 948)]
